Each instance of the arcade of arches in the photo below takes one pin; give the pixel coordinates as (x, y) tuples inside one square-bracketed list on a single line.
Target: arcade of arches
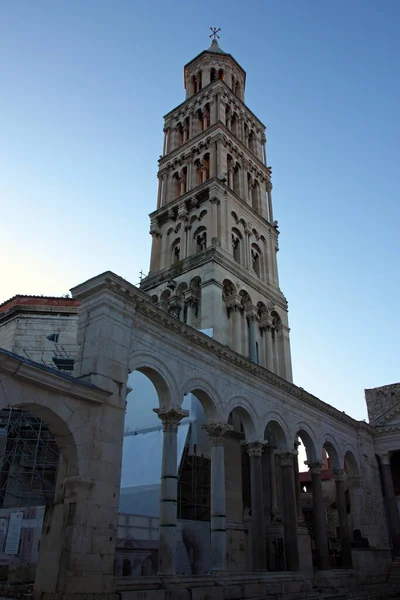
[(251, 414)]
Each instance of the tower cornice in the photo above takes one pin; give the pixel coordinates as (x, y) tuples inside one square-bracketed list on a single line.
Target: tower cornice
[(221, 258), (199, 194)]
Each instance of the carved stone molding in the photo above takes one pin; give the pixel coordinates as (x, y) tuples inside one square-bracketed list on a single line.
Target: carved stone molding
[(286, 458), (171, 417), (315, 466), (217, 431), (339, 474), (385, 458), (254, 448)]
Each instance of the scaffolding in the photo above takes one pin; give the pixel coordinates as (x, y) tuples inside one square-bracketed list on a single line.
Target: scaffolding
[(29, 460)]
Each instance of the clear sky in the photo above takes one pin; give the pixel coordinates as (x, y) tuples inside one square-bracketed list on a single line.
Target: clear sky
[(84, 86)]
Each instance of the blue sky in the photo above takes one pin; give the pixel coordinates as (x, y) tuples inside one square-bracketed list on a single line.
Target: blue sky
[(84, 86)]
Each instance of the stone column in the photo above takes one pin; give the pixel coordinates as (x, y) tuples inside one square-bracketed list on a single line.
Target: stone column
[(169, 489), (297, 485), (275, 512), (269, 349), (190, 302), (234, 304), (213, 313), (289, 512), (344, 531), (252, 315), (214, 202), (320, 530), (268, 187), (266, 479), (183, 216), (164, 193), (216, 432), (391, 502), (155, 246), (264, 150), (255, 450)]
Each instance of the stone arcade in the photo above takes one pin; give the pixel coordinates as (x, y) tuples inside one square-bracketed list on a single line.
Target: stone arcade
[(213, 267)]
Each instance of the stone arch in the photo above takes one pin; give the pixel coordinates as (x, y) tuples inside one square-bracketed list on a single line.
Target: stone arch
[(228, 288), (351, 464), (307, 436), (207, 396), (246, 298), (58, 418), (246, 413), (159, 375), (176, 250), (200, 238), (328, 443), (276, 431)]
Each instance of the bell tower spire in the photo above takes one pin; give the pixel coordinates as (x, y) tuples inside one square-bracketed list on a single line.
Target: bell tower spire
[(213, 261)]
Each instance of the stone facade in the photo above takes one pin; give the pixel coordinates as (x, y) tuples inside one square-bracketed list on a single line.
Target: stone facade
[(26, 322), (213, 261)]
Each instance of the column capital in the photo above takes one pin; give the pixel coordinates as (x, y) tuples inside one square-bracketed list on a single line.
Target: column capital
[(286, 458), (251, 312), (234, 301), (170, 417), (339, 474), (385, 458), (314, 466), (190, 297), (217, 431), (254, 448)]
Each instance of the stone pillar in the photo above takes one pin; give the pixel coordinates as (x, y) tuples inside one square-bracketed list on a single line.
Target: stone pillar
[(297, 485), (289, 512), (266, 479), (344, 532), (255, 450), (216, 432), (252, 315), (164, 194), (169, 489), (234, 304), (320, 530), (190, 302), (269, 348), (391, 502), (155, 246), (214, 202), (212, 308), (268, 187), (183, 216), (264, 150), (275, 511)]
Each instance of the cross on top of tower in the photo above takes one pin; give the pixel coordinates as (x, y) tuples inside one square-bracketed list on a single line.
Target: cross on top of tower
[(214, 33)]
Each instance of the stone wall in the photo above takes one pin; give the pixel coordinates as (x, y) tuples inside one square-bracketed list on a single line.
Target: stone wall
[(380, 399)]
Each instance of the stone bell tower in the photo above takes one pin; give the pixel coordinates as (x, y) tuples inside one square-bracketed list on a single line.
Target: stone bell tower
[(213, 260)]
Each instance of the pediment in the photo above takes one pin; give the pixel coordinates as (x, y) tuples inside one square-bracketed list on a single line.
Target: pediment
[(390, 418)]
